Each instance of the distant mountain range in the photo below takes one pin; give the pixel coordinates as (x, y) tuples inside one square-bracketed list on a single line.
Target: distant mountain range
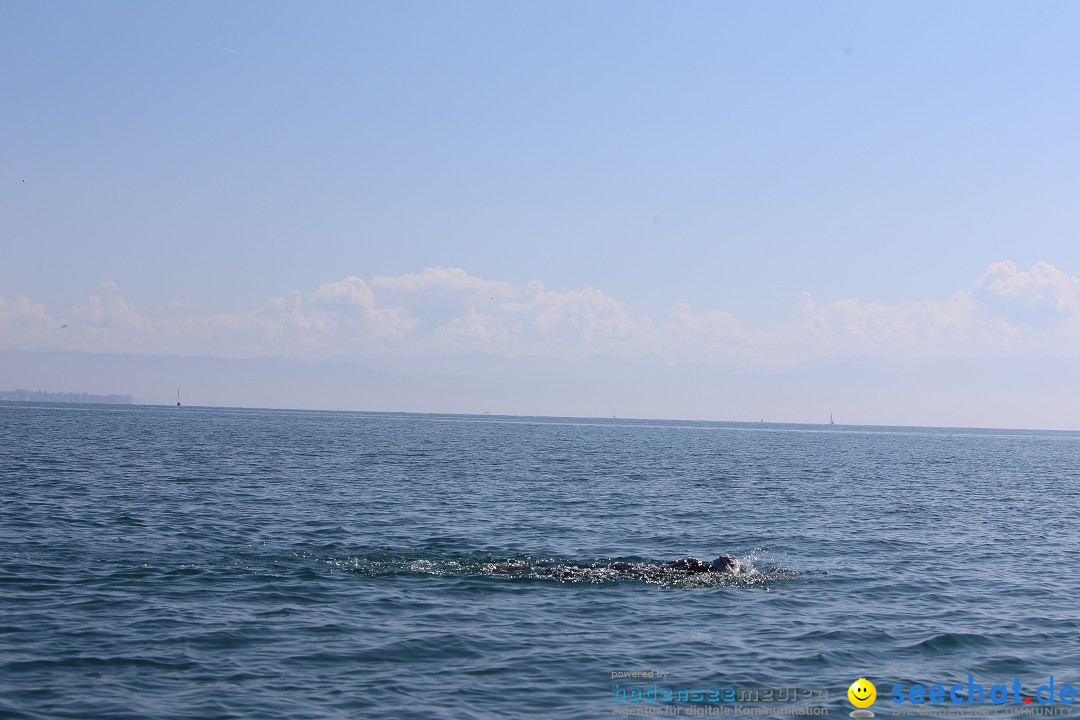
[(957, 392), (63, 397)]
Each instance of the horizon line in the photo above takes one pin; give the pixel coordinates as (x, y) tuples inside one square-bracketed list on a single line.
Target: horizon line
[(603, 419)]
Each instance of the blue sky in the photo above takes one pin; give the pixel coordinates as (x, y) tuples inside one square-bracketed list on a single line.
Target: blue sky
[(676, 175)]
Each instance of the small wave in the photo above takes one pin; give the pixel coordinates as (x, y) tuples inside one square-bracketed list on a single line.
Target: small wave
[(942, 642), (94, 662)]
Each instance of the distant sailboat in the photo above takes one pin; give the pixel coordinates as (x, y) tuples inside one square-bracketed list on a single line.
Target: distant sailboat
[(177, 396), (830, 418)]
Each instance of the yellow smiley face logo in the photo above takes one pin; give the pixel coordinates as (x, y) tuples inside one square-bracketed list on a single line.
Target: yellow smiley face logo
[(862, 693)]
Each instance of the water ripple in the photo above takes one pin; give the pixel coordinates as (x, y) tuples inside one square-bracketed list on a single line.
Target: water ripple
[(225, 564)]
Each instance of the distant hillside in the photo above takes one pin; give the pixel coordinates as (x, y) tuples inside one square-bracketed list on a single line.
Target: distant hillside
[(957, 392), (63, 397)]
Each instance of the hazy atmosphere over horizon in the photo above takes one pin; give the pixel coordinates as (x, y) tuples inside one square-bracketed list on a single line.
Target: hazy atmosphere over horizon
[(685, 210)]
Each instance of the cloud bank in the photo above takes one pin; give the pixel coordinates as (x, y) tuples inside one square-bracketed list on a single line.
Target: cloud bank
[(1006, 312)]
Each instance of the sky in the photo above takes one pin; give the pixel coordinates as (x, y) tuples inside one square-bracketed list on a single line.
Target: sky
[(711, 188)]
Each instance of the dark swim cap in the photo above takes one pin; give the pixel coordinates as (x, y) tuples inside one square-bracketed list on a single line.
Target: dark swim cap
[(725, 562)]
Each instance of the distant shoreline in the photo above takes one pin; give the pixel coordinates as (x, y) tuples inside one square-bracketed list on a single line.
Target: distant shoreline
[(63, 397)]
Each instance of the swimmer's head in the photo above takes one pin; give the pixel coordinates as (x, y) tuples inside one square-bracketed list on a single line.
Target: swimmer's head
[(725, 563)]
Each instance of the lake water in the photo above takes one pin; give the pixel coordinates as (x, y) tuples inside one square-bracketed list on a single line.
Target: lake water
[(162, 562)]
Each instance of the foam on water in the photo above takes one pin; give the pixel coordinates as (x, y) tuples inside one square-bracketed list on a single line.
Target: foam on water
[(563, 570)]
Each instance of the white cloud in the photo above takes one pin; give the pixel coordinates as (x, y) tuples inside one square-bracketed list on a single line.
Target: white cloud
[(473, 325), (716, 325), (350, 291), (890, 326), (351, 303), (1043, 283), (575, 323), (337, 319), (116, 313), (445, 282), (708, 337), (110, 285), (22, 313), (587, 313), (1033, 313)]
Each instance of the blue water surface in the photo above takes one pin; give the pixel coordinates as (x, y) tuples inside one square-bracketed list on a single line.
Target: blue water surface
[(160, 562)]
